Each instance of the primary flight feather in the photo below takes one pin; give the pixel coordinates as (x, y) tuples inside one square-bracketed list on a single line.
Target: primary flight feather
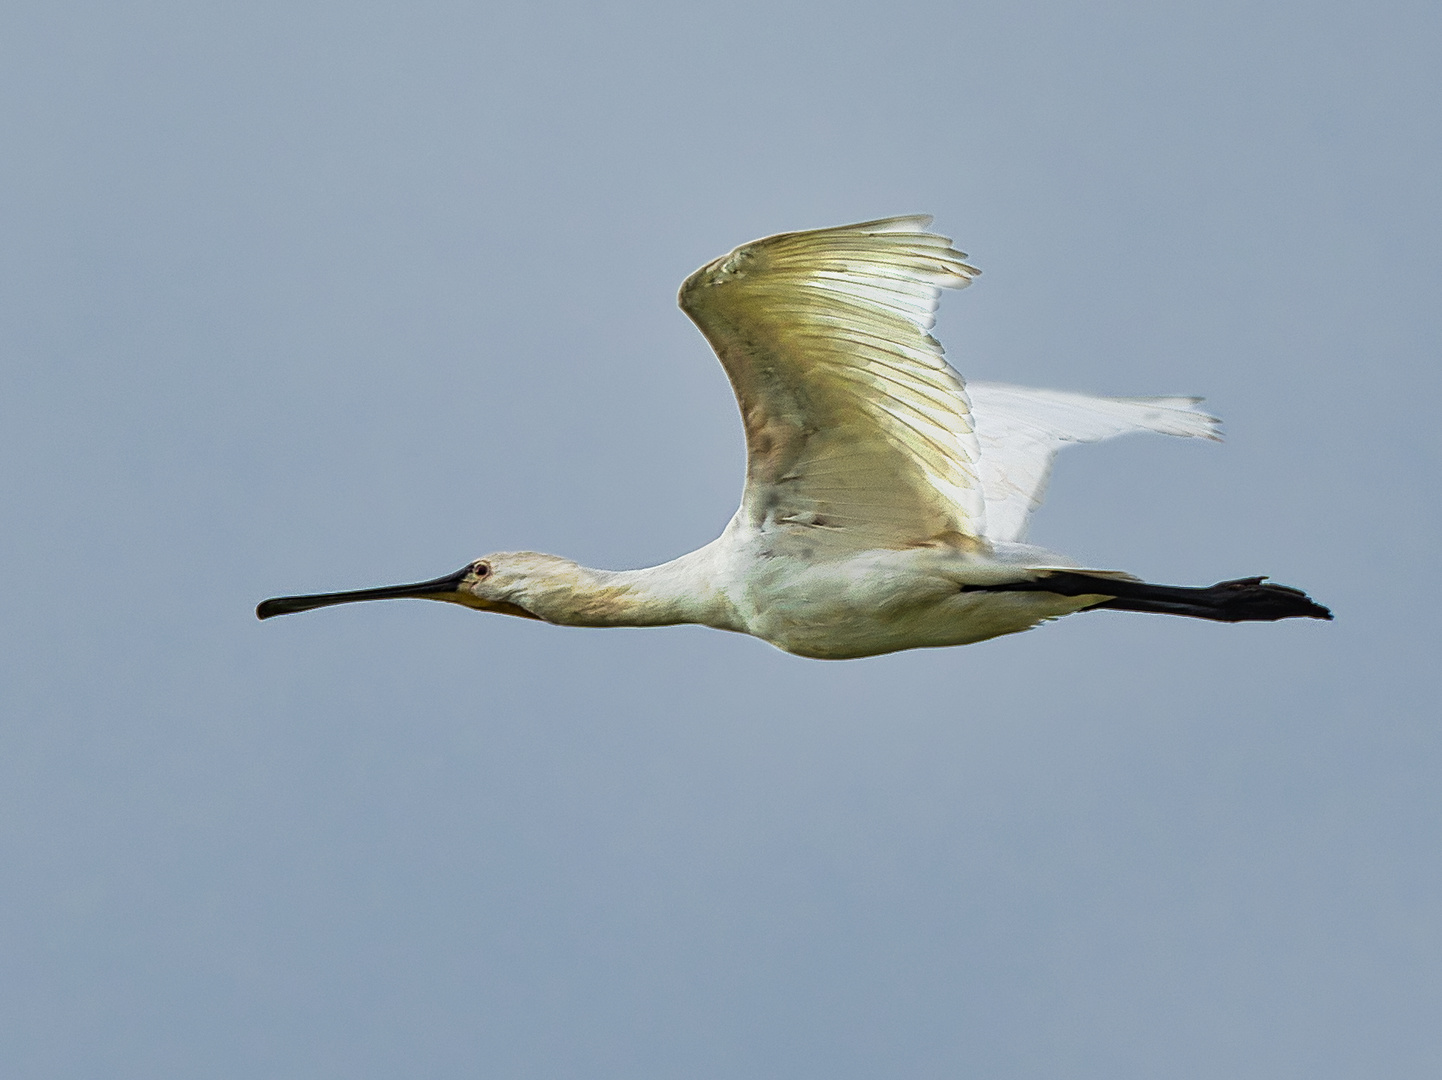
[(886, 501)]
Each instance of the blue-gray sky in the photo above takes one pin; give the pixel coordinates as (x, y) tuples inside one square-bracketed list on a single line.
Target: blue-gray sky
[(311, 295)]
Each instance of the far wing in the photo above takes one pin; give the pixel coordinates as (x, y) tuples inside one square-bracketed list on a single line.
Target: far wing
[(856, 427), (1020, 431)]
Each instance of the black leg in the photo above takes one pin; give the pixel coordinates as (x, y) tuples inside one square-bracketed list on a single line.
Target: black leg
[(1244, 600)]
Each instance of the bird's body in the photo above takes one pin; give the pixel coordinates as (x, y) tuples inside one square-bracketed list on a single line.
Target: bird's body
[(882, 601), (884, 506)]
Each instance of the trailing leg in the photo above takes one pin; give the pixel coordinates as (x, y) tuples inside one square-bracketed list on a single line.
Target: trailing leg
[(1243, 600)]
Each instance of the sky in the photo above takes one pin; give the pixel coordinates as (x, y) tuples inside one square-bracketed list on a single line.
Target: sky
[(306, 296)]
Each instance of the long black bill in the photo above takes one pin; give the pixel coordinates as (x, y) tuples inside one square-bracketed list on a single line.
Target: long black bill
[(426, 590)]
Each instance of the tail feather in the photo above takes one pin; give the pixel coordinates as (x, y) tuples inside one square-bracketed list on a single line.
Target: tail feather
[(1251, 599)]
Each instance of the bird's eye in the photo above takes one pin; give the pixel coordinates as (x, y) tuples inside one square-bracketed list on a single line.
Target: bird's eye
[(481, 569)]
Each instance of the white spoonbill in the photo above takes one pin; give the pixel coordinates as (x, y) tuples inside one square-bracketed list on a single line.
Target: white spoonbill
[(885, 500)]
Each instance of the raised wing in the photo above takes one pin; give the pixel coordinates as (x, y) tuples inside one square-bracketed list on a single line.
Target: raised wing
[(1020, 431), (857, 430)]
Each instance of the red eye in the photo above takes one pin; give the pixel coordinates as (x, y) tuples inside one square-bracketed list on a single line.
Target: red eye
[(482, 569)]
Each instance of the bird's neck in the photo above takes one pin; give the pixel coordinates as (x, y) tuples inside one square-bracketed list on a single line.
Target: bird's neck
[(685, 590)]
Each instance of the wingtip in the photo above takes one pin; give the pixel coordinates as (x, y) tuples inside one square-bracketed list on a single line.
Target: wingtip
[(901, 223)]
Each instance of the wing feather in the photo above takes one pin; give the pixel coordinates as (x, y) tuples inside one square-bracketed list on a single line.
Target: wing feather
[(855, 424), (1020, 431)]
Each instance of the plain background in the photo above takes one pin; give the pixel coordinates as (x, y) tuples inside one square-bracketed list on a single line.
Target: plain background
[(311, 295)]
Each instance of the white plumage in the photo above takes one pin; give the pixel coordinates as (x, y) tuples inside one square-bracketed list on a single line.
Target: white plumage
[(885, 502), (1020, 430), (856, 426)]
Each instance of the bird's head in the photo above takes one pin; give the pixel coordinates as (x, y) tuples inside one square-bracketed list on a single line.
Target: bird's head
[(506, 582)]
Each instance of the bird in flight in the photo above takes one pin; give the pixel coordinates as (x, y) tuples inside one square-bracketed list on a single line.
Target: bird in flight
[(886, 501)]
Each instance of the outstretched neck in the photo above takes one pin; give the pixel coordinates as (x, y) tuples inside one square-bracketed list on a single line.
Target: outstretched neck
[(685, 590)]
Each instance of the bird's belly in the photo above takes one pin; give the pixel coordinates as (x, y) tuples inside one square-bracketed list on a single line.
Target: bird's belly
[(852, 626)]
